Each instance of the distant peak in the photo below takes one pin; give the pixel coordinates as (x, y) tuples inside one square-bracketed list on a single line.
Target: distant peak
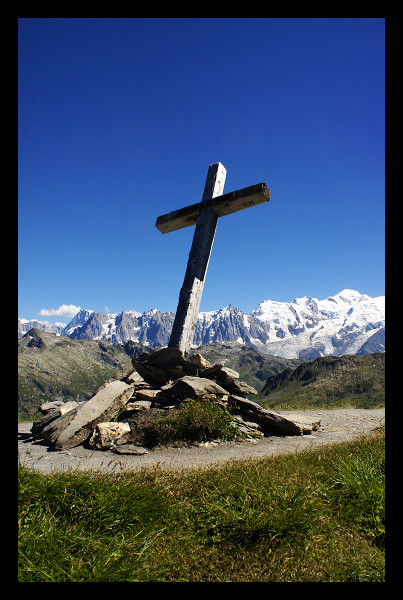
[(351, 295), (82, 311), (304, 300), (348, 292)]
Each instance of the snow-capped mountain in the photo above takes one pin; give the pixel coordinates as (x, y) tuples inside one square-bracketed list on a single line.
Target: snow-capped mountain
[(308, 327), (25, 325), (152, 328), (346, 323)]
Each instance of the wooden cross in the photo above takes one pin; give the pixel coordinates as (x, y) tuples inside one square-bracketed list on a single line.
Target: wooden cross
[(205, 216)]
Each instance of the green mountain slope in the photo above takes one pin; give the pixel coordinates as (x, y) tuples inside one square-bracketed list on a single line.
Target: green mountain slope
[(52, 367), (328, 382)]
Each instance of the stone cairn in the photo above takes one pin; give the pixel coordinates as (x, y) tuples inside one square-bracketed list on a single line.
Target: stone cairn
[(156, 387)]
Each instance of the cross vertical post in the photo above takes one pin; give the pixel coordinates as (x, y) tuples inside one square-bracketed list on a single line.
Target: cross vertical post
[(204, 215), (193, 283)]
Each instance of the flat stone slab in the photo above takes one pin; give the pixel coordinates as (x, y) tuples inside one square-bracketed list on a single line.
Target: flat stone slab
[(307, 424), (138, 405), (193, 387), (130, 449), (290, 424), (47, 407), (146, 395), (134, 378), (76, 426)]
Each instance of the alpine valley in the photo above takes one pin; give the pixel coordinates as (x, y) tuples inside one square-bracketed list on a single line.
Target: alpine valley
[(306, 328)]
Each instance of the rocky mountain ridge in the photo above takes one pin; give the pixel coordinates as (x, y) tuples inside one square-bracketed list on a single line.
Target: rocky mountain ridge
[(347, 323)]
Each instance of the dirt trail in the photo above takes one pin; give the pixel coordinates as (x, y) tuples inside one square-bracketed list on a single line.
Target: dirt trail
[(336, 426)]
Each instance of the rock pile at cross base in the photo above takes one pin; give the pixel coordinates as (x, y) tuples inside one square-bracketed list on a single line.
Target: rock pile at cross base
[(158, 384)]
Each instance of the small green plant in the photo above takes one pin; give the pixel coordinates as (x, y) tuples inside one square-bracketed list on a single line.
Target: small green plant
[(196, 421)]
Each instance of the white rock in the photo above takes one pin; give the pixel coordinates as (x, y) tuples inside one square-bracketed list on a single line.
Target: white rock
[(65, 408), (108, 435)]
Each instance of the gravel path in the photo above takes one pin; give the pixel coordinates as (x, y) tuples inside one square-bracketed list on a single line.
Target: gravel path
[(336, 426)]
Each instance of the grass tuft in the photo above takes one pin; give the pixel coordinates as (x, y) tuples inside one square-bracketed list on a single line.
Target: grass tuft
[(196, 421)]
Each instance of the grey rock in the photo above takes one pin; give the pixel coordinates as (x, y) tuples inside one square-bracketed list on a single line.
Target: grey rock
[(146, 395), (240, 388), (271, 421), (211, 371), (139, 405), (76, 426), (199, 361), (228, 379), (134, 378), (48, 407), (164, 365), (306, 424), (193, 387), (51, 414), (51, 432), (38, 426), (151, 374), (251, 429), (67, 406)]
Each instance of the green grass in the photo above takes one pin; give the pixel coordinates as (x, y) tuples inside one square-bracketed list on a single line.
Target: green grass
[(196, 421), (312, 516), (315, 400)]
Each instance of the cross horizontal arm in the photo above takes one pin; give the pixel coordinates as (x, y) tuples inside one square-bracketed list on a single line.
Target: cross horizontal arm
[(220, 206)]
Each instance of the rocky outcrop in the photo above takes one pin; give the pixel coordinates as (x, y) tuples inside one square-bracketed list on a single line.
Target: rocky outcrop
[(159, 383)]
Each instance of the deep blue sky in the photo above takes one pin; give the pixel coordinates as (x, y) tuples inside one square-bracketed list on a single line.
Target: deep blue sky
[(120, 118)]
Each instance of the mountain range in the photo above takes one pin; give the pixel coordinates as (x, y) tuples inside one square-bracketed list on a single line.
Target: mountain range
[(306, 328)]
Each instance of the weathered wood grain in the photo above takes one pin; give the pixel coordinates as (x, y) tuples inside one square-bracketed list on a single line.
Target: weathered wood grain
[(199, 256), (222, 205)]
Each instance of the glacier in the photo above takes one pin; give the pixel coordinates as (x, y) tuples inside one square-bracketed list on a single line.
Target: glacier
[(347, 323)]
